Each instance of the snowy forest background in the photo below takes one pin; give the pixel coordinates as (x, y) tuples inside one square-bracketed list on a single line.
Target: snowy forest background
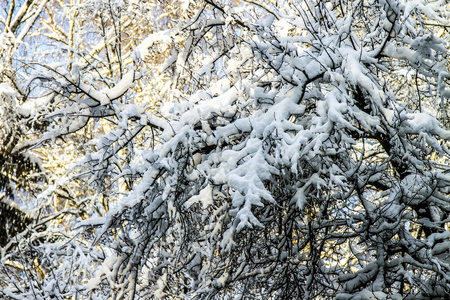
[(224, 149)]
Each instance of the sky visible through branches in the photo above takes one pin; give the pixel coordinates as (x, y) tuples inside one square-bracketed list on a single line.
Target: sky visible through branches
[(224, 149)]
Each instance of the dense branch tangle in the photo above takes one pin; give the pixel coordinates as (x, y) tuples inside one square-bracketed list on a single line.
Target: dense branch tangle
[(274, 166)]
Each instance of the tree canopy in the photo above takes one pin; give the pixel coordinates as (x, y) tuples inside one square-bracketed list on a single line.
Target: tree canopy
[(224, 149)]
